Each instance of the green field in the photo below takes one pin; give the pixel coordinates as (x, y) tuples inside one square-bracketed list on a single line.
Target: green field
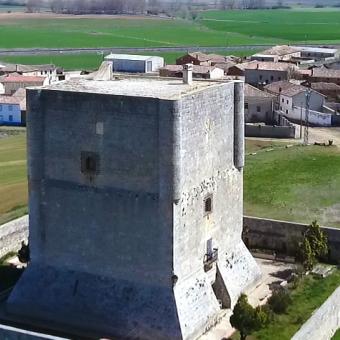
[(294, 184), (13, 178), (77, 32), (305, 25), (87, 61), (212, 28), (310, 294)]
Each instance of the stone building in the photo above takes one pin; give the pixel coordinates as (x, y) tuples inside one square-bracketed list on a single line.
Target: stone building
[(203, 72), (258, 105), (330, 90), (136, 190), (324, 75), (13, 83), (278, 53), (201, 59), (263, 73), (291, 102)]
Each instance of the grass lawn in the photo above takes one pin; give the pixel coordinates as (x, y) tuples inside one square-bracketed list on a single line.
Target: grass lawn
[(336, 335), (13, 178), (88, 61), (310, 294), (294, 184)]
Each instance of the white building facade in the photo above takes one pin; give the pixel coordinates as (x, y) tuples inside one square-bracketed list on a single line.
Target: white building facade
[(10, 114)]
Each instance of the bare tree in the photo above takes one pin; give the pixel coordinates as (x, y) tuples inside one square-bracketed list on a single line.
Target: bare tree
[(33, 5)]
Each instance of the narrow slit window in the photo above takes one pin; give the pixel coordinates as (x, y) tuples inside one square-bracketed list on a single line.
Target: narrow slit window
[(208, 205), (89, 163)]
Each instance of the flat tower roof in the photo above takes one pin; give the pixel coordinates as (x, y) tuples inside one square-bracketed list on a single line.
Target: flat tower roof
[(161, 88)]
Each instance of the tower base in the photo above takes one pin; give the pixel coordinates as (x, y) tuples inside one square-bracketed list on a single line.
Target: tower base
[(90, 305)]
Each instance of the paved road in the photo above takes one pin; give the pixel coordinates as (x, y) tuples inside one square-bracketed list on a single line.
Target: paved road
[(105, 50), (37, 51)]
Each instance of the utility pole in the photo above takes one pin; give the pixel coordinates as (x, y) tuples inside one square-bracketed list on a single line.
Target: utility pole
[(301, 122), (306, 136)]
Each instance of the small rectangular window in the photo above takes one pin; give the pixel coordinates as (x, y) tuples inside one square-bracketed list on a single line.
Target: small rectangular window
[(287, 101), (246, 106), (283, 100), (10, 118), (258, 108), (286, 111)]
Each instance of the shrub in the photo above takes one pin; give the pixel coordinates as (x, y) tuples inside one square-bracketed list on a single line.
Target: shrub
[(247, 319), (279, 301), (313, 247)]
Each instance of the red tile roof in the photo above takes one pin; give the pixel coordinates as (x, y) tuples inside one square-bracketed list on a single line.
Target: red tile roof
[(23, 79), (268, 66)]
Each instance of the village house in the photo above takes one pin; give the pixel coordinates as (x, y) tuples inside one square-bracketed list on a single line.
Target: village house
[(46, 70), (202, 72), (13, 109), (238, 70), (290, 95), (277, 53), (330, 90), (324, 75), (202, 59), (225, 66), (263, 73), (258, 105), (12, 83), (291, 102)]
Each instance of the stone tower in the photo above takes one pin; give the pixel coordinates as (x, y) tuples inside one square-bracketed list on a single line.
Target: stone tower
[(135, 190)]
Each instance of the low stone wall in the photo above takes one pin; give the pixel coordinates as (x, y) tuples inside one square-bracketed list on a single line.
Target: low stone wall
[(12, 333), (316, 118), (336, 120), (283, 237), (12, 234), (268, 131), (328, 315)]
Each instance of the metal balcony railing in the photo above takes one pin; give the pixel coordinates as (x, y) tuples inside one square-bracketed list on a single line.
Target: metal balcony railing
[(210, 259)]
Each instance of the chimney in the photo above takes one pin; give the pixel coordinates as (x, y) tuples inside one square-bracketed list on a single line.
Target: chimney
[(187, 73)]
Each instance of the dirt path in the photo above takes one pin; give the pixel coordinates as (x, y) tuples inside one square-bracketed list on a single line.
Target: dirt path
[(323, 135)]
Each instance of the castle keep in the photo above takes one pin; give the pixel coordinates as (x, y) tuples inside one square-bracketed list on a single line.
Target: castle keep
[(135, 190)]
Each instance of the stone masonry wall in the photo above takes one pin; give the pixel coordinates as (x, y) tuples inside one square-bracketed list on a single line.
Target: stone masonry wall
[(12, 234), (282, 236)]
